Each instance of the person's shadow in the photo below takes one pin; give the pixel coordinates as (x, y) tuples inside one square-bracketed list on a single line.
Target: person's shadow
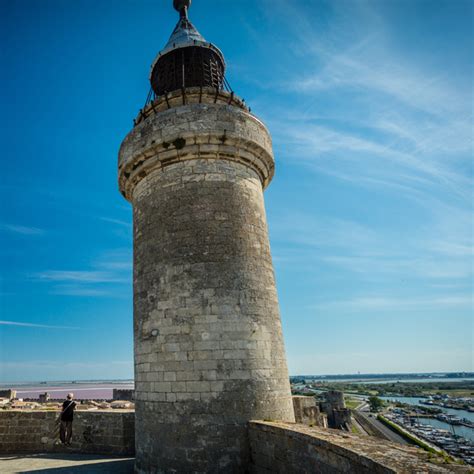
[(63, 463)]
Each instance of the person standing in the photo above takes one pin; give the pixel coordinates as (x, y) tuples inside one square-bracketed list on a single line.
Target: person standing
[(66, 417)]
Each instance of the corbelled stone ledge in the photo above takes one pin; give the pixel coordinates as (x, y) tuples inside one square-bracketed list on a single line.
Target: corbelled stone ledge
[(204, 127), (287, 448)]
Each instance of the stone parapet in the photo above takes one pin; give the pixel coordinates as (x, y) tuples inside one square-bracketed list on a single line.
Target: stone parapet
[(190, 95), (34, 431), (286, 448), (275, 447), (205, 130)]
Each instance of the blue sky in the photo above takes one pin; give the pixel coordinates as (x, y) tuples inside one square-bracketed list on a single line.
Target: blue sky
[(370, 214)]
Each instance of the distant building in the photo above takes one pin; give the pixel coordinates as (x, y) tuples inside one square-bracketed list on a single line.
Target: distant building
[(44, 397), (339, 417), (124, 394), (307, 411), (10, 394)]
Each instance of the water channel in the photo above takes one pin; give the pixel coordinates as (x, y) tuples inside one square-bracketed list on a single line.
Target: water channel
[(460, 430)]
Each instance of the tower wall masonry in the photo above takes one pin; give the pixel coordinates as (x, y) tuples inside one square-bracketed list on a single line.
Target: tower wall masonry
[(209, 352)]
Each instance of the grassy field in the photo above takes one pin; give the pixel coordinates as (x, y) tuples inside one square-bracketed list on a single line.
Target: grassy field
[(451, 393), (352, 403), (405, 389), (354, 430)]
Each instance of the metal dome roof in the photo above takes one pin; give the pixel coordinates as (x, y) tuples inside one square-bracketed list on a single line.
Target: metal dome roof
[(184, 35)]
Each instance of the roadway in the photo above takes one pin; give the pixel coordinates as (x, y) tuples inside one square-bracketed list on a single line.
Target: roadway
[(379, 429)]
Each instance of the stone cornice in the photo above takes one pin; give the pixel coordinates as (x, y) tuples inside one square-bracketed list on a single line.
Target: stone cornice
[(200, 130)]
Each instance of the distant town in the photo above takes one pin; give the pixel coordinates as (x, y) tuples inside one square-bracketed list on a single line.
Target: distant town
[(388, 376), (434, 411)]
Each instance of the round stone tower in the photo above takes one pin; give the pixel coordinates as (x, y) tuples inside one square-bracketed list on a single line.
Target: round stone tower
[(209, 353)]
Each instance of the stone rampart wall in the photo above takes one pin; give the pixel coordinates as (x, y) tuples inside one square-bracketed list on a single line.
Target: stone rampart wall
[(275, 447), (104, 432), (286, 448)]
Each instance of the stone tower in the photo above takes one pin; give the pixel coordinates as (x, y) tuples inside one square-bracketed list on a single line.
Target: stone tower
[(209, 353)]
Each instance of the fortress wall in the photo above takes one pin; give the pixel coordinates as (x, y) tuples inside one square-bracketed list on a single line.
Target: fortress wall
[(294, 448), (275, 447), (31, 431)]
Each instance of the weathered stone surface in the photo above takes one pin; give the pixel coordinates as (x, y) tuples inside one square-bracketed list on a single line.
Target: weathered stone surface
[(105, 432), (307, 411), (209, 352), (286, 448)]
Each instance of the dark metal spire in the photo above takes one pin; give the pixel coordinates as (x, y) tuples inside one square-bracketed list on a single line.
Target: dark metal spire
[(182, 6)]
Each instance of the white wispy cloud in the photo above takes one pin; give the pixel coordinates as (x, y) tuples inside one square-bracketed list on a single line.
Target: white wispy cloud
[(115, 260), (371, 160), (403, 267), (72, 365), (77, 290), (95, 276), (440, 250), (402, 303), (20, 229), (370, 68), (119, 222), (453, 248), (34, 325), (107, 275), (316, 231), (393, 122), (365, 113), (356, 50)]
